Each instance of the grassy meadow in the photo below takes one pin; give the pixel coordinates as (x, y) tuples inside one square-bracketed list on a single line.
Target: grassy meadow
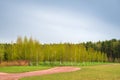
[(46, 65), (96, 72), (20, 69)]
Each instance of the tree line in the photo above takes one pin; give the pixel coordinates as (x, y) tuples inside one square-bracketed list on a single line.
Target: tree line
[(35, 52), (110, 47)]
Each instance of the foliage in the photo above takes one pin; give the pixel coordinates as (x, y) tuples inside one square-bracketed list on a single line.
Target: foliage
[(110, 47), (32, 51)]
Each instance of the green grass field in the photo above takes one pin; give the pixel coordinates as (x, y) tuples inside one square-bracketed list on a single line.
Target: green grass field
[(19, 69), (96, 72)]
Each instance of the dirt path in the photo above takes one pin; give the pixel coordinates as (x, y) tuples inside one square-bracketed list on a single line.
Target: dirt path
[(6, 76)]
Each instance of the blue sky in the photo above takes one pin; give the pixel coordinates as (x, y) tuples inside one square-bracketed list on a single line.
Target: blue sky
[(53, 21)]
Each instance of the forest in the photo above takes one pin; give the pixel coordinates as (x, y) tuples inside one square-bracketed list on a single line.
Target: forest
[(33, 51)]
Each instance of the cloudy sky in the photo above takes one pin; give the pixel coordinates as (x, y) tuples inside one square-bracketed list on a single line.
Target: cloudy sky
[(53, 21)]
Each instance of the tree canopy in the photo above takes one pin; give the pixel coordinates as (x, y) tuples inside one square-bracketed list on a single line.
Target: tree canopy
[(35, 52)]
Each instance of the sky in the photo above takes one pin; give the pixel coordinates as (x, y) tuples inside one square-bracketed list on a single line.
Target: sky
[(54, 21)]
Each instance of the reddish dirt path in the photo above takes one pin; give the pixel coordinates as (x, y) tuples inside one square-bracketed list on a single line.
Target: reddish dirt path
[(6, 76)]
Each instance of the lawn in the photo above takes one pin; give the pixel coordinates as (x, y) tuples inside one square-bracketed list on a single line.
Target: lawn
[(20, 69), (96, 72)]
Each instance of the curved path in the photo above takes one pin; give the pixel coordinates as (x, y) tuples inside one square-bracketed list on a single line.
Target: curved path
[(6, 76)]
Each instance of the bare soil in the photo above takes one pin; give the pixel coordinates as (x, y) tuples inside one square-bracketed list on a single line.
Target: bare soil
[(17, 76)]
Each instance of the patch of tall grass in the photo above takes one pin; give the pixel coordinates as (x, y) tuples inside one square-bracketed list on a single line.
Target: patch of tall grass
[(71, 63)]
